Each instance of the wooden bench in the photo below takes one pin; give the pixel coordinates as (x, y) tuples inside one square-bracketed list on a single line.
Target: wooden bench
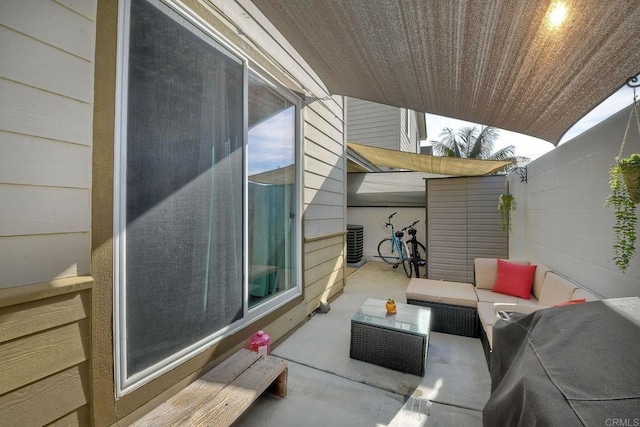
[(220, 396)]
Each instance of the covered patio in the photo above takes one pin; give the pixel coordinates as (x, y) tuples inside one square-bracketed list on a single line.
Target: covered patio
[(534, 68), (70, 316), (555, 224), (326, 387)]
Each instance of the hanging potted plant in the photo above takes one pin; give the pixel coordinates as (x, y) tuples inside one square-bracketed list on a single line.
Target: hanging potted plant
[(625, 192), (630, 170), (506, 204)]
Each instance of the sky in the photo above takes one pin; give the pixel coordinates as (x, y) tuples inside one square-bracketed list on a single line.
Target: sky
[(271, 143), (527, 146)]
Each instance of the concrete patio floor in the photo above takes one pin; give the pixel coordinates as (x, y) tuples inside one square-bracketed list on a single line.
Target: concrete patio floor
[(326, 387)]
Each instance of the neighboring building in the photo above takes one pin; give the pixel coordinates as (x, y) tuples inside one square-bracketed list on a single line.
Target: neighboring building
[(392, 128), (382, 126), (130, 218)]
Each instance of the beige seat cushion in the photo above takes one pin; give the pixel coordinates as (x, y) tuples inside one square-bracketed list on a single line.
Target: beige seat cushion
[(456, 293), (486, 271), (486, 295), (486, 313), (517, 308), (556, 290), (488, 330)]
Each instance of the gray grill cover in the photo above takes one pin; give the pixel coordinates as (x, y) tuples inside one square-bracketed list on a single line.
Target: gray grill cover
[(567, 366)]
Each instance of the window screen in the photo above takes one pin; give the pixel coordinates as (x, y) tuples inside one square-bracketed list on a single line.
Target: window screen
[(183, 186)]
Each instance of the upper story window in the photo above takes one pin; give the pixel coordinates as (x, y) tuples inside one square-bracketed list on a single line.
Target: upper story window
[(207, 193)]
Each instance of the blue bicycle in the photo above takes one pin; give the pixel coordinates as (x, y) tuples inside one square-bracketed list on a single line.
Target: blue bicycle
[(393, 250)]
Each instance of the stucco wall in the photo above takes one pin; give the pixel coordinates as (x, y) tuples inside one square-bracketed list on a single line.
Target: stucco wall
[(561, 220)]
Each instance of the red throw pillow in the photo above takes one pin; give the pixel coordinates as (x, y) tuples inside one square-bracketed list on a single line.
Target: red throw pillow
[(572, 302), (514, 279)]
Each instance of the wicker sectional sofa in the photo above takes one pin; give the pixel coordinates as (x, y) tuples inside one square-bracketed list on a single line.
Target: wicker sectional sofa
[(471, 310)]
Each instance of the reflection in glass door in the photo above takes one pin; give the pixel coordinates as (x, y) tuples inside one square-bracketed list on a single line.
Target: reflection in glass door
[(272, 184)]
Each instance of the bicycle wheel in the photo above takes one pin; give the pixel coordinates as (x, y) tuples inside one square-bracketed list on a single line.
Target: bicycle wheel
[(419, 258), (406, 260), (387, 252)]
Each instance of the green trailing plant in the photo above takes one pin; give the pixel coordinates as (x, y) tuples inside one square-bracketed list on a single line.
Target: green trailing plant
[(626, 170), (506, 204)]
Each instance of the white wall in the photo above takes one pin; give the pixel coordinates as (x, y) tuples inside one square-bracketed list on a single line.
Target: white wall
[(561, 220), (372, 218)]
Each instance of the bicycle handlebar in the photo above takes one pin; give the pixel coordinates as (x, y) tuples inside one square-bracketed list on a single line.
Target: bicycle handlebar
[(411, 226), (388, 223)]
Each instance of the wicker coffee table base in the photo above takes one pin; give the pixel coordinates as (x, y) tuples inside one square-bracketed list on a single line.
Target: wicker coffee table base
[(451, 319), (400, 351)]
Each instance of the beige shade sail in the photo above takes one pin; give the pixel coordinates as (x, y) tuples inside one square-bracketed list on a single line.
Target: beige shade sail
[(496, 62), (430, 164), (280, 176)]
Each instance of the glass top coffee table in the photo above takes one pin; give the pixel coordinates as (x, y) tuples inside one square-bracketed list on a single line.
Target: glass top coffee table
[(396, 341)]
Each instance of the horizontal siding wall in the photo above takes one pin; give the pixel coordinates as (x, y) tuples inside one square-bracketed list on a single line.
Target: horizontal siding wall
[(447, 232), (561, 220), (408, 139), (324, 205), (46, 121), (463, 225), (46, 81), (44, 346), (373, 124), (324, 270), (324, 171)]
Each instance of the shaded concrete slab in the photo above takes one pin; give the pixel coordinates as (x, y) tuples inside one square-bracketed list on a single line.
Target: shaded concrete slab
[(416, 413), (457, 372), (330, 352), (317, 398)]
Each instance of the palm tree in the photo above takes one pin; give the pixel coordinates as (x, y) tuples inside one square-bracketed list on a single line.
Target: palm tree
[(472, 143)]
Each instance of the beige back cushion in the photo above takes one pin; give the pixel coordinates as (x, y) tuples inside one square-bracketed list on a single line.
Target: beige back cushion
[(555, 290), (486, 271), (538, 279), (579, 293)]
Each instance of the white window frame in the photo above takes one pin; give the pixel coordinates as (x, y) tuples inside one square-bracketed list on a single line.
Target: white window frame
[(123, 384), (282, 298)]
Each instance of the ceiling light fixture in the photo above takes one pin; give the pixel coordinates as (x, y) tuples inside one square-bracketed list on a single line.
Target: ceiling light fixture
[(556, 15)]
